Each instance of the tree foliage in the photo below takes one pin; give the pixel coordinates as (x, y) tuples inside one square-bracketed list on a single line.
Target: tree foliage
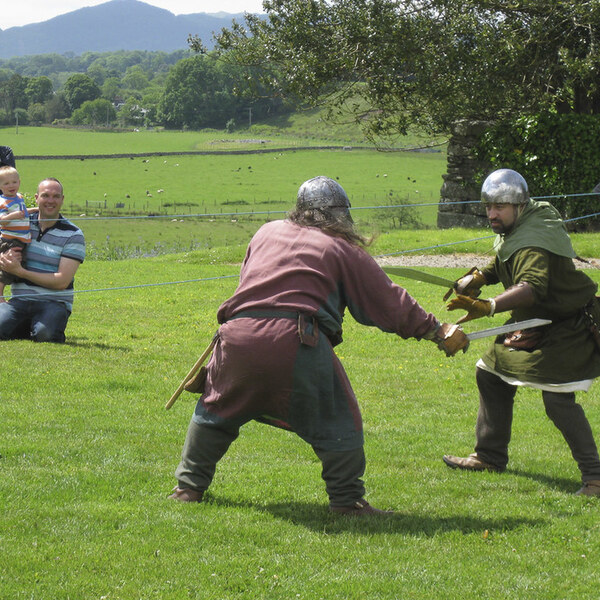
[(12, 93), (95, 64), (53, 87), (201, 91), (94, 112), (38, 89), (190, 94), (394, 63), (556, 153), (80, 88)]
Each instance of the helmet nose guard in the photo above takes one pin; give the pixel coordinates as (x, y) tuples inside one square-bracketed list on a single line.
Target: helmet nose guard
[(504, 186), (322, 192)]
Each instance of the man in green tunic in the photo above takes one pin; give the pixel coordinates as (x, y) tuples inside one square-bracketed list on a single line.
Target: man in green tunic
[(534, 263)]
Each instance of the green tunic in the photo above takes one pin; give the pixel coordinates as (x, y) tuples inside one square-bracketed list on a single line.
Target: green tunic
[(538, 251)]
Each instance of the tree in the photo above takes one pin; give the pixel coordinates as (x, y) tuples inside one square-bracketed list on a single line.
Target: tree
[(37, 113), (135, 78), (150, 101), (132, 113), (38, 90), (21, 116), (111, 89), (394, 63), (56, 108), (12, 93), (80, 88), (196, 95), (94, 112), (5, 74), (97, 71)]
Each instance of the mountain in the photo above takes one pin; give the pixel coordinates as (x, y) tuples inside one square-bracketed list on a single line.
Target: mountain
[(114, 25)]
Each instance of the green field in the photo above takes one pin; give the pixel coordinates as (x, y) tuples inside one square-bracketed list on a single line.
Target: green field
[(230, 183), (235, 192), (88, 455), (118, 205), (88, 450), (51, 141), (305, 128)]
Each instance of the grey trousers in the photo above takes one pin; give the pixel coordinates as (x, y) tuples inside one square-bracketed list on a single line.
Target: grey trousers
[(494, 422), (204, 446)]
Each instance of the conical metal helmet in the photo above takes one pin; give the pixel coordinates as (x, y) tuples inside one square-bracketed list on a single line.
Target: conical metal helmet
[(504, 186), (322, 192)]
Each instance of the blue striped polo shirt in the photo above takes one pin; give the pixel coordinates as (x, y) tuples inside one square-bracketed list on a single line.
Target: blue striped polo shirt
[(15, 229), (43, 254)]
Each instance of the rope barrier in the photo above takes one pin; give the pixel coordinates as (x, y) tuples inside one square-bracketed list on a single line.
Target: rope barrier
[(584, 217), (131, 287), (278, 212), (246, 213)]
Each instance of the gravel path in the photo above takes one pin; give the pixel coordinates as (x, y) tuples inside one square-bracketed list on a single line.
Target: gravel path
[(465, 261)]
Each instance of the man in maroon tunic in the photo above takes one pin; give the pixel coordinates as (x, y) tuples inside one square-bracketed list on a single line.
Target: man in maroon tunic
[(274, 359)]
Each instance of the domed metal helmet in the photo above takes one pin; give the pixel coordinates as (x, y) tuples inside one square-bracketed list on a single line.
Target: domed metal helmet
[(504, 186), (323, 193)]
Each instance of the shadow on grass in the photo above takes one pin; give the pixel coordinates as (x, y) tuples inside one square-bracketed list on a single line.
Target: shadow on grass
[(318, 518), (558, 483), (79, 342)]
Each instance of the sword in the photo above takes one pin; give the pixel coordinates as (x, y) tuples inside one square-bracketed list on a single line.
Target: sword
[(508, 328), (420, 276)]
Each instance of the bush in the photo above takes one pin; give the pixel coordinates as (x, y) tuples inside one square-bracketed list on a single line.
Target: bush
[(557, 154)]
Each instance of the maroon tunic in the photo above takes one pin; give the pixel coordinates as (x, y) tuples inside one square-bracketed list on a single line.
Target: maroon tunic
[(261, 369)]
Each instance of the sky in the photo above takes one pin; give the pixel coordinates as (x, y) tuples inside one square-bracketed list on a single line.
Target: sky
[(23, 12)]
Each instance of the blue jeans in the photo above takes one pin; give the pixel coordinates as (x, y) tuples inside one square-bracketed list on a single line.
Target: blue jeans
[(39, 320)]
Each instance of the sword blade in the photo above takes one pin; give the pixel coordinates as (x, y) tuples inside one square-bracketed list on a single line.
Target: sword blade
[(419, 276), (508, 328)]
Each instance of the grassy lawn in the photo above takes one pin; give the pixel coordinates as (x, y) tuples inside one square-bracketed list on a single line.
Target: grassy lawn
[(89, 454), (136, 206), (141, 203), (50, 141), (254, 182), (88, 450), (304, 128)]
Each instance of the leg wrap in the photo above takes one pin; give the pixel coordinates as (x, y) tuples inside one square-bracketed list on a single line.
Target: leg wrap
[(342, 472), (494, 419), (569, 418), (203, 448)]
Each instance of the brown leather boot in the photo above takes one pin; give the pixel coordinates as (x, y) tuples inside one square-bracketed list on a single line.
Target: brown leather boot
[(470, 463), (590, 488), (186, 495), (361, 508)]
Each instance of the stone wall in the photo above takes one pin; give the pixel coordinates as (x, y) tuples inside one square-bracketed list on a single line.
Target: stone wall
[(460, 184)]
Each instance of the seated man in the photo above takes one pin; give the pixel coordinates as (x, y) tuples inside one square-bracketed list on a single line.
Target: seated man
[(42, 297)]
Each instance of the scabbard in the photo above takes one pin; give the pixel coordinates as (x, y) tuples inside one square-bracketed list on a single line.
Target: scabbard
[(592, 320), (197, 365)]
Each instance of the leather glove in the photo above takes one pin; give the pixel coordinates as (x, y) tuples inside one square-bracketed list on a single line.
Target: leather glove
[(468, 284), (475, 308), (450, 338)]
